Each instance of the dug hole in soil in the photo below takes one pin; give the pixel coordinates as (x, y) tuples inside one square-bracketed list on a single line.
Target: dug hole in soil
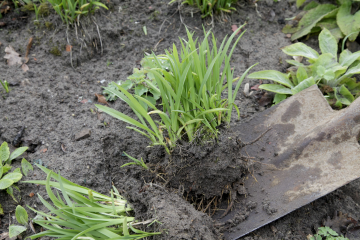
[(55, 99)]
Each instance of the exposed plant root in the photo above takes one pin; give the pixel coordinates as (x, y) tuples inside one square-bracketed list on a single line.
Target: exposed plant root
[(233, 198)]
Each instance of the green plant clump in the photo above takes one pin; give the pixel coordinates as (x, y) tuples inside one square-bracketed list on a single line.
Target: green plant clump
[(7, 180), (333, 75), (207, 7), (337, 19), (81, 213), (190, 89), (326, 233)]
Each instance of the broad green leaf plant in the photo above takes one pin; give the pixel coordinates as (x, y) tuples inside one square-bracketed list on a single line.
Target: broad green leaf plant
[(190, 89), (337, 19), (137, 82), (208, 7), (326, 233), (332, 74), (81, 213), (7, 180)]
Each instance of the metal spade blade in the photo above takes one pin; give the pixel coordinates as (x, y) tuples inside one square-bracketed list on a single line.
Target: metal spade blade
[(309, 151)]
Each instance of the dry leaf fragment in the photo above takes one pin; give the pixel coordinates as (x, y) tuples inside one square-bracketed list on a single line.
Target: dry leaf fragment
[(63, 148), (101, 99), (298, 58), (68, 48), (235, 28), (24, 67), (12, 56), (256, 87), (28, 49), (31, 194)]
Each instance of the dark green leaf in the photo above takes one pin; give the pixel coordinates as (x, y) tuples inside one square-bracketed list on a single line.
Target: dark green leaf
[(312, 17)]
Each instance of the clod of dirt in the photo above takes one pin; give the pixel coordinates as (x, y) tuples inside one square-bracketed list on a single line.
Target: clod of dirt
[(101, 99), (85, 133)]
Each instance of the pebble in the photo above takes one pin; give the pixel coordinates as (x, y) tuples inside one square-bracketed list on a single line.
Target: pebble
[(85, 133)]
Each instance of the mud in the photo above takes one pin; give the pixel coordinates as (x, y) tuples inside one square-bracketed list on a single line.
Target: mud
[(107, 46)]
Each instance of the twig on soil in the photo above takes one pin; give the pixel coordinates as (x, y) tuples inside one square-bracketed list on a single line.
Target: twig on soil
[(97, 27), (166, 20), (242, 144), (67, 39), (155, 47)]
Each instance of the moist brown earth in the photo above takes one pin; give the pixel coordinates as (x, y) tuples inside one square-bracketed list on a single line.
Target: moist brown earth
[(55, 99)]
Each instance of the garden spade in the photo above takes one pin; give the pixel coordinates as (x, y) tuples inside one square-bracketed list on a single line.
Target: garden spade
[(305, 151)]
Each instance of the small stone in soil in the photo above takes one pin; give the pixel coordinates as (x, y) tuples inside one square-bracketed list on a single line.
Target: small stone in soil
[(85, 133)]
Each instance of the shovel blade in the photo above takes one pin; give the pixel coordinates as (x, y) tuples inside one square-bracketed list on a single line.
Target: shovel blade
[(309, 151)]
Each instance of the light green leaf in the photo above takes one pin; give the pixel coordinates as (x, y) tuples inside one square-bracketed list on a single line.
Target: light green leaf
[(301, 74), (127, 84), (332, 26), (4, 152), (312, 17), (329, 75), (299, 3), (14, 176), (5, 183), (347, 58), (311, 5), (295, 63), (276, 88), (155, 94), (279, 97), (272, 75), (301, 49), (140, 90), (303, 85), (328, 43), (10, 191), (6, 168), (17, 152), (26, 166), (320, 71), (16, 230), (21, 215), (1, 170), (349, 73), (1, 210), (137, 75), (347, 22)]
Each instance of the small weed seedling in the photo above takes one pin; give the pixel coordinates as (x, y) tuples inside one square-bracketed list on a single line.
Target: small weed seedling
[(7, 180), (135, 162), (81, 213), (333, 75), (22, 218), (207, 7), (326, 233), (5, 85)]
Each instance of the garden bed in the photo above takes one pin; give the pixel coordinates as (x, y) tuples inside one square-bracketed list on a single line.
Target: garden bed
[(55, 99)]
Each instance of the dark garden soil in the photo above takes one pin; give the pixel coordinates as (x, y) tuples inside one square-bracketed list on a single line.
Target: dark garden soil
[(55, 99)]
